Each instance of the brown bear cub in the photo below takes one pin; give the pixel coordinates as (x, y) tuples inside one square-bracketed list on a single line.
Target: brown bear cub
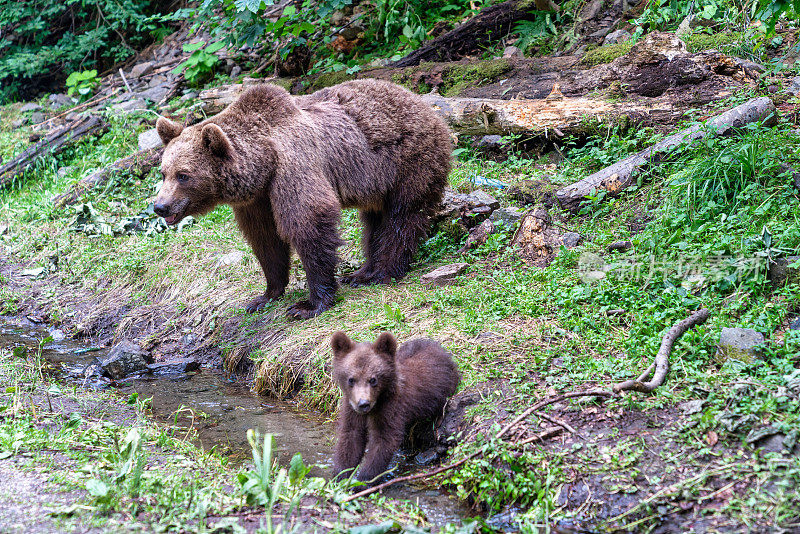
[(384, 390), (287, 165)]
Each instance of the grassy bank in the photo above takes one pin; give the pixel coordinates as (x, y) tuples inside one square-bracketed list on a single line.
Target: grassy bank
[(703, 228)]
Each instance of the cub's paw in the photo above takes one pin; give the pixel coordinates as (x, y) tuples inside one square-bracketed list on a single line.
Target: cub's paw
[(305, 310)]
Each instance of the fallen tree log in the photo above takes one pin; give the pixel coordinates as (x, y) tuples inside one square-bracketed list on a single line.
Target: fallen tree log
[(492, 23), (619, 176), (53, 143), (553, 116), (139, 164)]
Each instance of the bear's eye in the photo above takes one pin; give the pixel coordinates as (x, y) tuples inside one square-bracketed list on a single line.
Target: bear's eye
[(373, 381), (182, 178), (351, 381)]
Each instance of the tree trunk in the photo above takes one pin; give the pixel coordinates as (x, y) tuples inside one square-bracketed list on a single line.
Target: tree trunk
[(620, 175), (491, 24)]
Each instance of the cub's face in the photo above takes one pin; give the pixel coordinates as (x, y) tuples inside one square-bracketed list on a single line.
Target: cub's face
[(191, 167), (363, 370)]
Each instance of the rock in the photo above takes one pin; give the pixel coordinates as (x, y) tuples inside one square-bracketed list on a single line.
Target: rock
[(236, 71), (617, 36), (739, 344), (351, 32), (189, 95), (537, 240), (56, 334), (157, 80), (459, 212), (781, 271), (692, 406), (30, 106), (766, 438), (123, 359), (512, 51), (134, 104), (174, 367), (533, 192), (446, 274), (478, 236), (794, 325), (508, 216), (571, 239), (149, 139), (751, 66), (63, 171), (141, 69), (426, 457), (794, 86), (231, 258), (17, 123), (620, 246), (37, 117), (154, 94), (59, 100)]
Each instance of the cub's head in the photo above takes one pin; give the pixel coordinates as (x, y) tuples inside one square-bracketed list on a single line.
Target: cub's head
[(195, 162), (364, 370)]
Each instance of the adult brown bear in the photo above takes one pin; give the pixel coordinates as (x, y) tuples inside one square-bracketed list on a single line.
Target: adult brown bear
[(287, 165)]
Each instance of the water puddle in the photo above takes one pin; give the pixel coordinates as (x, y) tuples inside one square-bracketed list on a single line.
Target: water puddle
[(221, 411)]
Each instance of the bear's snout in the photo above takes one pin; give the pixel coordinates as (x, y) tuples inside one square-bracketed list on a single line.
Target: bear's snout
[(162, 209), (361, 406)]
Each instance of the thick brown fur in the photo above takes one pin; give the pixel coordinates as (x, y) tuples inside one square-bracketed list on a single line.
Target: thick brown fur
[(288, 164), (384, 390)]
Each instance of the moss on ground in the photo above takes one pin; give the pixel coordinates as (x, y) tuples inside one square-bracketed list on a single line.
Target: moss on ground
[(606, 54), (458, 78)]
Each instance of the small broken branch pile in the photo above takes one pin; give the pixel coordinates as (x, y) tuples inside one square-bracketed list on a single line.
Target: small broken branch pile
[(660, 366), (138, 164), (53, 143)]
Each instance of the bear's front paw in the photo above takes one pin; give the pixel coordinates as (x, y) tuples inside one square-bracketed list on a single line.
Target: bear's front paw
[(305, 310), (360, 277)]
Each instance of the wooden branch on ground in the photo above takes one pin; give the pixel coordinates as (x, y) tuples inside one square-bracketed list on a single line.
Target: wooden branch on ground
[(492, 23), (53, 143), (660, 366), (619, 176), (139, 164)]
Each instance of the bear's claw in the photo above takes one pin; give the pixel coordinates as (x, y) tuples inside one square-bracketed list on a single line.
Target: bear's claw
[(305, 310)]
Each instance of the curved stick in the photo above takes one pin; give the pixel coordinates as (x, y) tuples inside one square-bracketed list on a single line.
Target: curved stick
[(660, 367)]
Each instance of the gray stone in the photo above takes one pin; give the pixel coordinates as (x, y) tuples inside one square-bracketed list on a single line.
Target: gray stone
[(174, 367), (133, 104), (154, 94), (620, 246), (692, 406), (63, 171), (750, 66), (795, 325), (379, 62), (231, 258), (236, 71), (508, 216), (766, 438), (352, 32), (478, 236), (426, 457), (123, 359), (446, 274), (149, 139), (157, 80), (617, 36), (17, 123), (739, 344), (571, 239), (482, 198), (189, 95), (37, 117), (781, 271), (512, 51), (794, 86), (459, 212), (30, 106), (490, 141), (59, 100), (141, 69)]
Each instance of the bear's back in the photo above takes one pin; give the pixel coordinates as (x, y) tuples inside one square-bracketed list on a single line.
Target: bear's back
[(428, 376)]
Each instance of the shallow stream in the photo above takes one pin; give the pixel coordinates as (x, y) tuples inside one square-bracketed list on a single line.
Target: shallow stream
[(220, 410)]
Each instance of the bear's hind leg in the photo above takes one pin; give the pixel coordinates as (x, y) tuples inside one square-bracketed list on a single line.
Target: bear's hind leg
[(371, 221), (402, 230)]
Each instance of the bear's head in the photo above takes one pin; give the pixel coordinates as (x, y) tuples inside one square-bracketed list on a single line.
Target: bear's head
[(194, 164), (364, 371)]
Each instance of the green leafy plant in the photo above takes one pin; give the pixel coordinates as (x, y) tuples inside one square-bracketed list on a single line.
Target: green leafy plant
[(200, 65), (535, 32), (82, 83), (263, 485)]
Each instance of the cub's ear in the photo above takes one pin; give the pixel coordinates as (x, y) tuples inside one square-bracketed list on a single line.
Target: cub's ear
[(216, 141), (341, 345), (167, 129), (385, 344)]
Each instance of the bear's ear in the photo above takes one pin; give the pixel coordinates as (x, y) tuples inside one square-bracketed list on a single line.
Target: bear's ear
[(216, 141), (341, 345), (167, 129), (385, 344)]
